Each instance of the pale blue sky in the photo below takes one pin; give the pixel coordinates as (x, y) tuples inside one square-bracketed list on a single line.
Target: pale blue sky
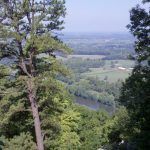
[(98, 15)]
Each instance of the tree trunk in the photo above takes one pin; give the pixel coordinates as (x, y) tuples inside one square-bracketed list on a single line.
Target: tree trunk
[(35, 113)]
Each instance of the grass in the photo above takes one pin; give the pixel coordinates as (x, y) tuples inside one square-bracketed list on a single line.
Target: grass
[(86, 56), (122, 63), (111, 74)]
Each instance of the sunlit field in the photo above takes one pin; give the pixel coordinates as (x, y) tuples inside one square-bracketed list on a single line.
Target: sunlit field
[(120, 69)]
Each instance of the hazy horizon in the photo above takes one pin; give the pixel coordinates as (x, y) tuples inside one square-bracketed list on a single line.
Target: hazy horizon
[(98, 16), (96, 32)]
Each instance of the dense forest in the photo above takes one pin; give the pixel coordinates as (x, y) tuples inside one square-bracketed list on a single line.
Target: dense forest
[(39, 91)]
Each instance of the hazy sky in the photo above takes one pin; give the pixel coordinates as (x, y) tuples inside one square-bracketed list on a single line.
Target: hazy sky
[(98, 15)]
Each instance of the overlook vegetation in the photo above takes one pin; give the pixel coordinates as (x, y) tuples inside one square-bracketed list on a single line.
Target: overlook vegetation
[(41, 91)]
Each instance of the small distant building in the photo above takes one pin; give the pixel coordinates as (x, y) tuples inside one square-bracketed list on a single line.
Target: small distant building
[(121, 68), (130, 68)]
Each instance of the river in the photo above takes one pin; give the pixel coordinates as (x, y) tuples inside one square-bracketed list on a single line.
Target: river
[(92, 104)]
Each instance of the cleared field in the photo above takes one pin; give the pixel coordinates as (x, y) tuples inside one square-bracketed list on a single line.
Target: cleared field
[(112, 74), (86, 56), (121, 63)]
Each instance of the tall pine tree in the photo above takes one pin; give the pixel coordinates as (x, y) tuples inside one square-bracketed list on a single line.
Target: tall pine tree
[(27, 29)]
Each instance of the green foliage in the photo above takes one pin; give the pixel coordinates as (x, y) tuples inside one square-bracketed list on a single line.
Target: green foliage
[(96, 90), (21, 142), (58, 121), (139, 28), (1, 142), (26, 34), (68, 138), (79, 65), (116, 130), (90, 128), (135, 96), (136, 91)]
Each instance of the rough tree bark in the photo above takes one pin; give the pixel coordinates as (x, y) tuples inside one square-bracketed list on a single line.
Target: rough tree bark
[(35, 113), (32, 98)]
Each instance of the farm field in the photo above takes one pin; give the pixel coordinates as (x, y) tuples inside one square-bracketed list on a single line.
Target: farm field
[(86, 56), (92, 57), (121, 70)]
